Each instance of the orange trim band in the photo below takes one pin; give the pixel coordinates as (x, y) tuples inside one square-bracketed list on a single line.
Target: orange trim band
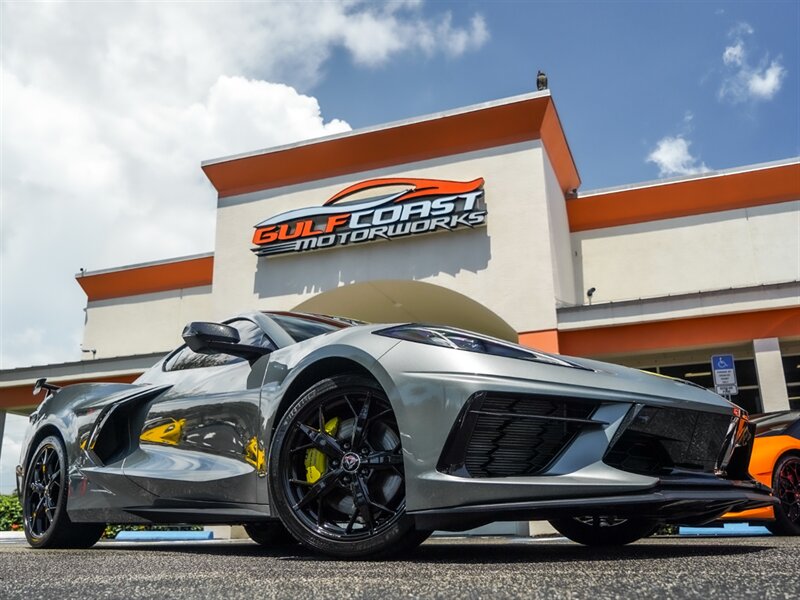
[(694, 197), (148, 279), (557, 148), (545, 340), (681, 333), (754, 514), (534, 118), (21, 396)]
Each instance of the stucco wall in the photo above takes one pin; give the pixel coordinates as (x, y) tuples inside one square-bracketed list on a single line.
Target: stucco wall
[(145, 323), (507, 266), (563, 269), (730, 249)]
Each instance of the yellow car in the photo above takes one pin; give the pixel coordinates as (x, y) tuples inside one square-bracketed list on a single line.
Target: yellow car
[(776, 462)]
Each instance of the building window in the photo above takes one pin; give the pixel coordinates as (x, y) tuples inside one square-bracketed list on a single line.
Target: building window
[(791, 370)]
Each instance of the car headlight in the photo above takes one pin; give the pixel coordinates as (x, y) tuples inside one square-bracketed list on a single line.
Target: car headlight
[(456, 339)]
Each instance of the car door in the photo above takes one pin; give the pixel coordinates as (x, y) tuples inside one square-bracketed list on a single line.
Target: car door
[(199, 440)]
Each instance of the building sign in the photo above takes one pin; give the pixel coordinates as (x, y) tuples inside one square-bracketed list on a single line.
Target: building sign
[(722, 366), (421, 206)]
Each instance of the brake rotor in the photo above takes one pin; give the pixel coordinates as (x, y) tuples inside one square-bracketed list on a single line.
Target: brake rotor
[(384, 484)]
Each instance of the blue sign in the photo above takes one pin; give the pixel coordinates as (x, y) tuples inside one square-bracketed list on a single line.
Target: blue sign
[(722, 361), (724, 370)]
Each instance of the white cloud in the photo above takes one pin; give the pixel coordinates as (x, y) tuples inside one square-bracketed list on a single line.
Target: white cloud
[(108, 110), (374, 37), (734, 55), (457, 41), (765, 84), (740, 29), (673, 157), (744, 81)]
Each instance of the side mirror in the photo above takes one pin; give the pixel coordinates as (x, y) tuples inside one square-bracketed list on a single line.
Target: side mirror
[(216, 338)]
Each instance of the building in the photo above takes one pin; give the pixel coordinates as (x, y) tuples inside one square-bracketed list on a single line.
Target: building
[(657, 275)]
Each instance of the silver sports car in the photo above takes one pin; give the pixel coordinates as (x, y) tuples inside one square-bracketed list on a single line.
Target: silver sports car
[(359, 440)]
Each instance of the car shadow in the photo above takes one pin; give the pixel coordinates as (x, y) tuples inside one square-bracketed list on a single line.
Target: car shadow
[(471, 551), (544, 552)]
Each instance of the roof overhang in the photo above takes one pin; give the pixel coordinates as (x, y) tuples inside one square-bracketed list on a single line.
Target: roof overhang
[(715, 191), (499, 123), (16, 385), (147, 278)]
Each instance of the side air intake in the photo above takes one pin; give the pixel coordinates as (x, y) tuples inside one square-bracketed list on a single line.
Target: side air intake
[(659, 440), (505, 435)]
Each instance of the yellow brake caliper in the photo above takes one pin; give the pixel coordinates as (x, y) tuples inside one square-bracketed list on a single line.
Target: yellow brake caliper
[(316, 462)]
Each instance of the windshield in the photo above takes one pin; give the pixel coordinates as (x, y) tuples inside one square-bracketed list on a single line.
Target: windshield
[(301, 328)]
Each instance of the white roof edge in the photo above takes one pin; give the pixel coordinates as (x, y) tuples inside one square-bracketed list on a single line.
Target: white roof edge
[(89, 376), (76, 366), (708, 174), (788, 283), (381, 127), (153, 263)]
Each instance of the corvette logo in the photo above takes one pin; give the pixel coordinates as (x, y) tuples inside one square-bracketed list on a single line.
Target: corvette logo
[(421, 206)]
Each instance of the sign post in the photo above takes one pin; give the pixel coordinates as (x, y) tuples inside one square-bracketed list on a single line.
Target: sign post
[(724, 371)]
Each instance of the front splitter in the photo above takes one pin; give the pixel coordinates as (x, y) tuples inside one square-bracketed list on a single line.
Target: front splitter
[(687, 500)]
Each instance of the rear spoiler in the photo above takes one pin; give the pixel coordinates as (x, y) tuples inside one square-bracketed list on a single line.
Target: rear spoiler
[(41, 384)]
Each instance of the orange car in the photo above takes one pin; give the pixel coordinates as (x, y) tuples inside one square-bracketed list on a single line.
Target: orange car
[(776, 462)]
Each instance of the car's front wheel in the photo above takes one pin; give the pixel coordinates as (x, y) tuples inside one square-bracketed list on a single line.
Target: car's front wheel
[(336, 471), (604, 531), (786, 487), (44, 502)]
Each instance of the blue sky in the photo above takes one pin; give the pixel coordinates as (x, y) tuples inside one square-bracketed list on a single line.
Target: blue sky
[(108, 110), (623, 75)]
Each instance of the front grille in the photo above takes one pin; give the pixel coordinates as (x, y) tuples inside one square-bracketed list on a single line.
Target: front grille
[(504, 435), (659, 440)]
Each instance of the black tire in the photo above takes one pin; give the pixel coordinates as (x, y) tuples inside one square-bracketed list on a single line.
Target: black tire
[(786, 487), (354, 507), (44, 501), (604, 531), (272, 534)]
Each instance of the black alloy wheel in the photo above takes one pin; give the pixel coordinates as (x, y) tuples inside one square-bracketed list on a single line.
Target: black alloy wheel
[(44, 502), (597, 530), (786, 487), (44, 490), (336, 471)]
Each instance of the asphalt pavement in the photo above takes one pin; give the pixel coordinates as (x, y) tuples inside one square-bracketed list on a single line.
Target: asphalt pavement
[(669, 567)]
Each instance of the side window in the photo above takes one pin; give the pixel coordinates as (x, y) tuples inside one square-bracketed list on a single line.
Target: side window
[(249, 334)]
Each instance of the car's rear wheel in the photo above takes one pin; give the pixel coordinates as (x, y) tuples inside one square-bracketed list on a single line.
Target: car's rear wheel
[(272, 534), (336, 471), (786, 487), (604, 530), (44, 502)]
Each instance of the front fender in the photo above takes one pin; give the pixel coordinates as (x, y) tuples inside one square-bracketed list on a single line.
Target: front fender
[(766, 452)]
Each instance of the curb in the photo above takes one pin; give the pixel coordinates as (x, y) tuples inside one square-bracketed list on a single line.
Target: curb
[(163, 536), (728, 529)]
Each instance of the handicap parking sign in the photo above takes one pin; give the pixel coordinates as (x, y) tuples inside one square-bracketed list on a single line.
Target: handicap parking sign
[(724, 370), (724, 361)]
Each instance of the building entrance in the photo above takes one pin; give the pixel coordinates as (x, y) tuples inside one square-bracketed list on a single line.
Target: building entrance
[(392, 301)]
